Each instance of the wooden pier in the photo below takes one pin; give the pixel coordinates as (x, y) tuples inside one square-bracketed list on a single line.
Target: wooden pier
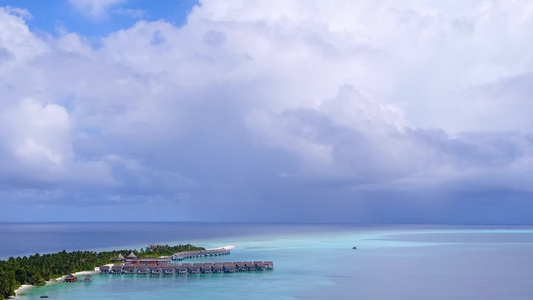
[(188, 268), (200, 253)]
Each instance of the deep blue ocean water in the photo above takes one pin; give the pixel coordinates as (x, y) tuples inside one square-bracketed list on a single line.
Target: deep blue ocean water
[(311, 261)]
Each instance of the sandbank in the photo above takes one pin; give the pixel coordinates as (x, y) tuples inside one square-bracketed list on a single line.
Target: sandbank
[(229, 247)]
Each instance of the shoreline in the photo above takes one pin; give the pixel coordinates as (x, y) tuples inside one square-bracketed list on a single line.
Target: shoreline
[(26, 287)]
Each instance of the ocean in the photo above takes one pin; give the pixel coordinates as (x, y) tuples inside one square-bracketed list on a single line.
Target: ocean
[(311, 261)]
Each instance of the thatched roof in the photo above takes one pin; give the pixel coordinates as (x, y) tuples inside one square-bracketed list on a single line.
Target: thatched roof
[(120, 256), (131, 255)]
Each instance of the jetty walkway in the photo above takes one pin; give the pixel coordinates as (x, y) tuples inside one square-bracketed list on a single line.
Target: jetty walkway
[(200, 253)]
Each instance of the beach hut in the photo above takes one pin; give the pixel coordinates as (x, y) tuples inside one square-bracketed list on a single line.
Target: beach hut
[(131, 256), (71, 278), (118, 258)]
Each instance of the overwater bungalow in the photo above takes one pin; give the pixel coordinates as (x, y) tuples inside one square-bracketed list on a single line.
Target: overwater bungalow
[(187, 268), (88, 278), (206, 269), (259, 266), (240, 267), (141, 269), (71, 278), (228, 268), (269, 265), (105, 269), (128, 269), (216, 268), (181, 269), (167, 270), (249, 265), (116, 269)]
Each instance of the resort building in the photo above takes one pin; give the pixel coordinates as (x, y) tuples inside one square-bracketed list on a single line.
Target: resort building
[(116, 269), (71, 278), (105, 269), (131, 256), (129, 269), (153, 268), (141, 269), (150, 261)]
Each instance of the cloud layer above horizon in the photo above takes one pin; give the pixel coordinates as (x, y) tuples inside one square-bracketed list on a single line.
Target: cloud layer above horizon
[(280, 111)]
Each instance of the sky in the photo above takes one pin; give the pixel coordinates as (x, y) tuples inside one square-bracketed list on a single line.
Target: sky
[(267, 111)]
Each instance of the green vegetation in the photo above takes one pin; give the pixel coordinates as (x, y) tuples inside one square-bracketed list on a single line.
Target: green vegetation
[(36, 269)]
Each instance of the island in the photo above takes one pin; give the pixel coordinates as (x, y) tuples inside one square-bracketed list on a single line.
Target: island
[(37, 269)]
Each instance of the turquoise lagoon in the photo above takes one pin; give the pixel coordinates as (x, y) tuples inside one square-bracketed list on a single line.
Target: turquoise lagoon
[(318, 262)]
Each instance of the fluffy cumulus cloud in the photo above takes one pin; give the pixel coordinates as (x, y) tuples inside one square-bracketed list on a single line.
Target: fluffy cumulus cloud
[(340, 111)]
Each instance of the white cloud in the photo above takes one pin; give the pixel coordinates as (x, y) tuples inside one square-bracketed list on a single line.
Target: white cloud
[(16, 40), (362, 95), (95, 8), (134, 13)]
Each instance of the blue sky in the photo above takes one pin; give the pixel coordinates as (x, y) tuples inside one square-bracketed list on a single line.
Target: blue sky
[(116, 15), (267, 111)]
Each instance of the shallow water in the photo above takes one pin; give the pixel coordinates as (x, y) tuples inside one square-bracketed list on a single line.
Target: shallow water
[(318, 262)]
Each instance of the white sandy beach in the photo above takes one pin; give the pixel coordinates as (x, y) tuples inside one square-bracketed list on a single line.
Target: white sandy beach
[(24, 287), (229, 247)]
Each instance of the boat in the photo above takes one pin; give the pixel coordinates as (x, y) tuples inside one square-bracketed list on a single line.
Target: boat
[(44, 296)]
